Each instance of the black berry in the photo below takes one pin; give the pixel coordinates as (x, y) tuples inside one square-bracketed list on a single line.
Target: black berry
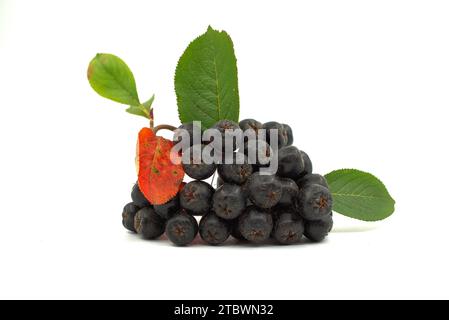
[(138, 197), (282, 136), (236, 173), (181, 229), (265, 191), (308, 167), (214, 230), (255, 225), (229, 201), (194, 165), (251, 127), (292, 163), (129, 212), (149, 224), (196, 197), (235, 232), (230, 131), (167, 210), (290, 192), (288, 228), (314, 202), (288, 132), (318, 230), (185, 131)]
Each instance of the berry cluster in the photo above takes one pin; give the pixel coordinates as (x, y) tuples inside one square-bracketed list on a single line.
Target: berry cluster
[(247, 205)]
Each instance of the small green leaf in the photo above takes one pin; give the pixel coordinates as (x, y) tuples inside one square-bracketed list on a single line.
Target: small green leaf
[(111, 78), (149, 103), (360, 195), (206, 81), (138, 111)]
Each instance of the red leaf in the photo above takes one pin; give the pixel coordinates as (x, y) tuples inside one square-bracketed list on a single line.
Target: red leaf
[(159, 177)]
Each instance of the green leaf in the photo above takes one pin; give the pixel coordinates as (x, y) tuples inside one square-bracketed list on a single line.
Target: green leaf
[(149, 103), (138, 111), (360, 195), (111, 78), (206, 81)]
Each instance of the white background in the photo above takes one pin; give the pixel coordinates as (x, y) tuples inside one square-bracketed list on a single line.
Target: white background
[(364, 84)]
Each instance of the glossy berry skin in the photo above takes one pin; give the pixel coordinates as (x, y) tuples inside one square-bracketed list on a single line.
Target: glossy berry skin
[(288, 228), (196, 197), (312, 179), (214, 230), (255, 225), (128, 214), (288, 133), (167, 210), (292, 163), (196, 168), (314, 202), (177, 136), (265, 191), (138, 197), (149, 224), (318, 230), (290, 192), (181, 229), (236, 173), (282, 136), (224, 126), (229, 201)]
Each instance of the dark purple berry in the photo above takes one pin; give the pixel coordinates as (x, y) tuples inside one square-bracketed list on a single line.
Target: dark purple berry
[(308, 167), (181, 229), (194, 165), (255, 225), (185, 131), (229, 201), (289, 134), (149, 224), (128, 214), (236, 173), (265, 191), (288, 228), (318, 230), (292, 163), (196, 197), (314, 202), (167, 210), (230, 131), (290, 192), (214, 230), (138, 197), (282, 136)]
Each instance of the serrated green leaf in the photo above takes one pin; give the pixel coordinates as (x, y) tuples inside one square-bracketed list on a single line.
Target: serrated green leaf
[(206, 81), (111, 78), (360, 195), (138, 111)]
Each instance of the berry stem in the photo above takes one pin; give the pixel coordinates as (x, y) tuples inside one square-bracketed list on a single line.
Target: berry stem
[(163, 127)]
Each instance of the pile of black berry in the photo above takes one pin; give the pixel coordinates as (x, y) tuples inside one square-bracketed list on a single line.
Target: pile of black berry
[(246, 205)]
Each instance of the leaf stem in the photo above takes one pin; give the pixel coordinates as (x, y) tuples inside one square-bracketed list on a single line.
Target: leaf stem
[(152, 119)]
